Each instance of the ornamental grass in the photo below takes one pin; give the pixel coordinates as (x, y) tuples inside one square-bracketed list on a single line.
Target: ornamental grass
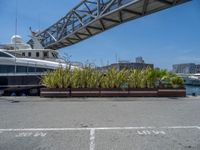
[(112, 78)]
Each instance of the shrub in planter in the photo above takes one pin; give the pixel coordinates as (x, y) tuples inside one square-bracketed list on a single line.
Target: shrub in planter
[(88, 80), (60, 78), (177, 82), (113, 78), (134, 79)]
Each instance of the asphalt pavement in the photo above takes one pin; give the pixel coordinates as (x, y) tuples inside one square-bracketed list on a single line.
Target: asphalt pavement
[(33, 123)]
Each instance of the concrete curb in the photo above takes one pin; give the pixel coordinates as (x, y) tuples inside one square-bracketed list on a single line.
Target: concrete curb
[(105, 99)]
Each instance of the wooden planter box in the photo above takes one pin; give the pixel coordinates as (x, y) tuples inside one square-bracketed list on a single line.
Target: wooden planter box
[(142, 92), (114, 92), (54, 92), (179, 92), (85, 92)]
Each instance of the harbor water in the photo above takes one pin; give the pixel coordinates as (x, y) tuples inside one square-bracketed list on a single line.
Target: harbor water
[(192, 90)]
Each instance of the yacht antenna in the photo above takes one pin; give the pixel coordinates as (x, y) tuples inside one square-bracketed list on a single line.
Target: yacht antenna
[(16, 20)]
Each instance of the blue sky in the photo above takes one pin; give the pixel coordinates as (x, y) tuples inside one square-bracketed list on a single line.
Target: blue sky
[(164, 38)]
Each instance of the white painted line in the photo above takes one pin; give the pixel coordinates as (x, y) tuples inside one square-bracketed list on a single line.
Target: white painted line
[(182, 127), (31, 134), (92, 139), (103, 128), (158, 132), (74, 129), (151, 132)]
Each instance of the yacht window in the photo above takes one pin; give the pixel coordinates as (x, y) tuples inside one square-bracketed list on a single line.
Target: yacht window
[(31, 69), (41, 69), (55, 55), (23, 54), (4, 55), (45, 54), (37, 54), (7, 69), (29, 54), (21, 69)]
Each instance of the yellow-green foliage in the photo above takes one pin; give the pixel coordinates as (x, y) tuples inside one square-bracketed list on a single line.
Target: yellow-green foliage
[(114, 79), (60, 78), (177, 82), (90, 78)]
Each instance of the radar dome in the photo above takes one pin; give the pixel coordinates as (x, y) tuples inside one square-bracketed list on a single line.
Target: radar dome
[(16, 39)]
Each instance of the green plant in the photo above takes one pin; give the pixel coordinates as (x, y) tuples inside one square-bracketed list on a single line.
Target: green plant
[(114, 79), (134, 79), (177, 82), (91, 78)]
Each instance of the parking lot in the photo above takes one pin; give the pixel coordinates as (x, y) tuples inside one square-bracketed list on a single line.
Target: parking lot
[(112, 124)]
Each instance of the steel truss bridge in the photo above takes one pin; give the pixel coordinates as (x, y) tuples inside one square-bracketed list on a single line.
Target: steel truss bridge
[(91, 17)]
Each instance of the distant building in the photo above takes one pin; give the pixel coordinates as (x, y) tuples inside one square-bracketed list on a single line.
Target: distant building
[(198, 68), (184, 68), (139, 60), (139, 64)]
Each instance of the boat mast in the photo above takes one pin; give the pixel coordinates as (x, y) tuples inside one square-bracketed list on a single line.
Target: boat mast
[(16, 21)]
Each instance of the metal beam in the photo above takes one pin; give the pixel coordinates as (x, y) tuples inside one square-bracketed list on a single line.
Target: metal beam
[(94, 28), (166, 2), (108, 6), (91, 17), (88, 31), (102, 24), (131, 12), (111, 20), (145, 6), (84, 34)]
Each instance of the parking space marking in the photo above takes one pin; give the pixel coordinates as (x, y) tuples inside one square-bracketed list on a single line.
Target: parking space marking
[(92, 139), (31, 134), (150, 132), (98, 128), (182, 127), (140, 131)]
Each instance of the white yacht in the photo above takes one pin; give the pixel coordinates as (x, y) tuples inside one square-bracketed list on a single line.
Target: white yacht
[(191, 79), (21, 66)]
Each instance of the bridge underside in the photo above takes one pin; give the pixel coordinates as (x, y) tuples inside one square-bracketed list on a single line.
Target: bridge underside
[(91, 17)]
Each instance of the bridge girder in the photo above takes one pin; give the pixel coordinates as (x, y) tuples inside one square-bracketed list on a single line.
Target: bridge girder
[(91, 17)]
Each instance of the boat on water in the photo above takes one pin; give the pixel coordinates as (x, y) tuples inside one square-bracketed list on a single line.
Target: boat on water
[(21, 66), (191, 79)]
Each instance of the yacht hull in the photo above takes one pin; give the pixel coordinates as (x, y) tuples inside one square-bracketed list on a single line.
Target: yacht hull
[(20, 85)]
